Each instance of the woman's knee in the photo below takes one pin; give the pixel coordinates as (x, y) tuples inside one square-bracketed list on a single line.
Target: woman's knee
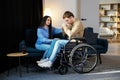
[(58, 42), (43, 47), (62, 42)]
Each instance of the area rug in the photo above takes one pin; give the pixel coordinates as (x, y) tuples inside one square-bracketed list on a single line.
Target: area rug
[(109, 63)]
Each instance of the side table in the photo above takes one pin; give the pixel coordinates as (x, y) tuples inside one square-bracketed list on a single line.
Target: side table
[(19, 55)]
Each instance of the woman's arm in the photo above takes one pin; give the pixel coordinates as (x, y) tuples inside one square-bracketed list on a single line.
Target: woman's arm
[(43, 36), (57, 30)]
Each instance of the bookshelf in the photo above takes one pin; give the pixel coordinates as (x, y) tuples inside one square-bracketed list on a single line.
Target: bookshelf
[(109, 16)]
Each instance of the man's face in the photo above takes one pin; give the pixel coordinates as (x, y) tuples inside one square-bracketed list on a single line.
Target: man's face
[(68, 20)]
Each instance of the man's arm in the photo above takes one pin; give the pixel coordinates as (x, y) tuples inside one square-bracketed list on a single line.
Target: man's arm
[(66, 29), (77, 28)]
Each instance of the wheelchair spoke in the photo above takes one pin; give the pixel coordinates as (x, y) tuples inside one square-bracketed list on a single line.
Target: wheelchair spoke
[(83, 58)]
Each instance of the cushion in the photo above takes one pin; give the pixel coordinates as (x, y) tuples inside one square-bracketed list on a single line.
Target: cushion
[(34, 50), (90, 37), (106, 31)]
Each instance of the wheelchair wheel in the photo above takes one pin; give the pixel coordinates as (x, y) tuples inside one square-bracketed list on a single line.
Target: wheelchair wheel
[(63, 69), (83, 58)]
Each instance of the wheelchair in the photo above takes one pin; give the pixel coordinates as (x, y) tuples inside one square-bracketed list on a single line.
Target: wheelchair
[(78, 55)]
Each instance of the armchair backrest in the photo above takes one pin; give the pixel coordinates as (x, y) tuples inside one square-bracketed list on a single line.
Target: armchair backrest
[(30, 37)]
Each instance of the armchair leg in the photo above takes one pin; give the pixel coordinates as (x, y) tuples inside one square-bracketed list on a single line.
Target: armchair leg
[(99, 57)]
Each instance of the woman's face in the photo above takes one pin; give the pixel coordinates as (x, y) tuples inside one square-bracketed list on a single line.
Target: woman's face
[(48, 21)]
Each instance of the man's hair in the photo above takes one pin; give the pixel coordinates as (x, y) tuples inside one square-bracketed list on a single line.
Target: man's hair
[(67, 14)]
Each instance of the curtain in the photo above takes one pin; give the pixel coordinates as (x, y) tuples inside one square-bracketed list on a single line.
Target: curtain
[(16, 17)]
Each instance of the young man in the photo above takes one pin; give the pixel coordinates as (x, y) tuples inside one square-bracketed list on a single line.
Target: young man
[(72, 28)]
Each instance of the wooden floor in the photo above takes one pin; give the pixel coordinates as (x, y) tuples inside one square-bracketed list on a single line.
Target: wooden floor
[(113, 48), (117, 40), (104, 71)]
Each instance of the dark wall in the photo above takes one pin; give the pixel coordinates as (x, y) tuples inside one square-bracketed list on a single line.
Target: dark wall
[(16, 16)]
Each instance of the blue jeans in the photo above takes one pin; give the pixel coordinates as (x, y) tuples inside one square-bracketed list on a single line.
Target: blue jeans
[(56, 49), (48, 52), (47, 48)]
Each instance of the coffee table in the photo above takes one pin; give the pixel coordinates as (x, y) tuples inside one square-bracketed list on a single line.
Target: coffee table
[(19, 55)]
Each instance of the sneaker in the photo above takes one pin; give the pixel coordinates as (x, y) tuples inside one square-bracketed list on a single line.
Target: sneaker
[(40, 65), (42, 60), (46, 64)]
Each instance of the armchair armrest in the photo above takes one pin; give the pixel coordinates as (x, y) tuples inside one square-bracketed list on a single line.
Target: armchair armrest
[(103, 42), (21, 44)]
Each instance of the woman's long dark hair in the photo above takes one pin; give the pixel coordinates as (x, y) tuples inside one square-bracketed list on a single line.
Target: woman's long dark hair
[(43, 22)]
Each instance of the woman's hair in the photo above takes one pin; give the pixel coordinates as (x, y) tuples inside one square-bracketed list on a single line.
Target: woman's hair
[(43, 22), (67, 14)]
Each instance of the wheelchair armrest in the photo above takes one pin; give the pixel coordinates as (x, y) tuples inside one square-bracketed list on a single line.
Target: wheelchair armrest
[(78, 39), (73, 42)]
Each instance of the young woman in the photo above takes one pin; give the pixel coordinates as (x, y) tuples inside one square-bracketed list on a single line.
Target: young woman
[(44, 37)]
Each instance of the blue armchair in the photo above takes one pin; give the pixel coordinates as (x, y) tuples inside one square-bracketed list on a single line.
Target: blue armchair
[(101, 45)]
